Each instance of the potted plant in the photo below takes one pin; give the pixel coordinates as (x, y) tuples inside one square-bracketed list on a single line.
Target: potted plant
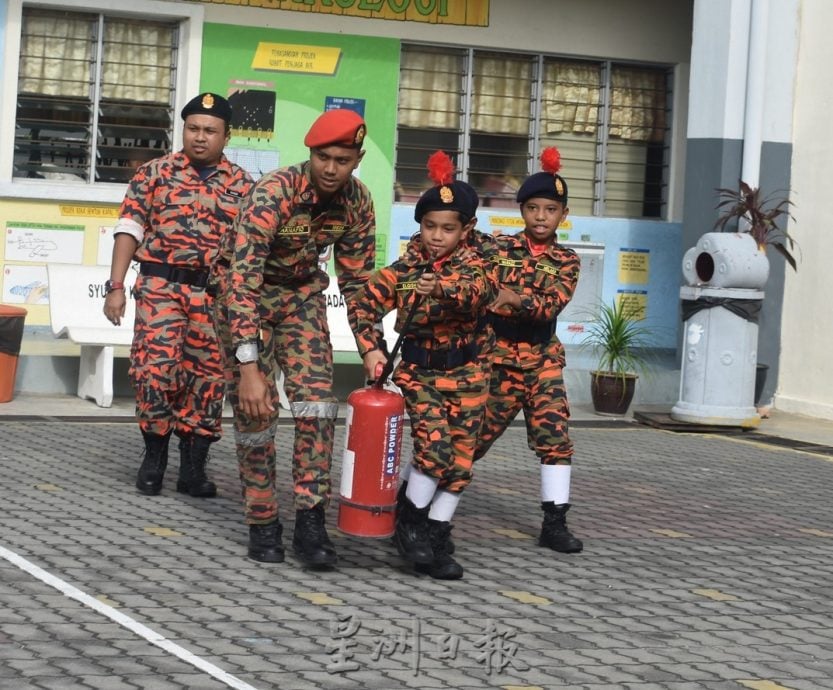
[(758, 216), (617, 337), (764, 219)]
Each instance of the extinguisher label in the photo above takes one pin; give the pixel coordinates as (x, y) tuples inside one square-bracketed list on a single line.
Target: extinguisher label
[(348, 462), (348, 459), (393, 445)]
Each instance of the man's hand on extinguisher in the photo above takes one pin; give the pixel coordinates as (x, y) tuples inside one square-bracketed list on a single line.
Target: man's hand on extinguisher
[(374, 361), (255, 401)]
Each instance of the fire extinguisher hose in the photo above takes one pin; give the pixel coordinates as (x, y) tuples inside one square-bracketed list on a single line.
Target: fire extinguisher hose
[(388, 368)]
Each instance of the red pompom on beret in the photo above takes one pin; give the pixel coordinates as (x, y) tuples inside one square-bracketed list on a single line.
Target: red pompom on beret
[(208, 104), (337, 128), (547, 184)]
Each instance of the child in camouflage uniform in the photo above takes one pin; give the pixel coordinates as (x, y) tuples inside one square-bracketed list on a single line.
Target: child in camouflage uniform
[(537, 278), (440, 375)]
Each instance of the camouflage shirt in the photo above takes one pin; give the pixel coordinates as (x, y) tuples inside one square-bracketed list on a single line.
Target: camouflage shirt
[(184, 217), (278, 238), (439, 322), (546, 284)]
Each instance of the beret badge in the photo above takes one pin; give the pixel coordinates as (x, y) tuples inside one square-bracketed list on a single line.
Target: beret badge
[(361, 133), (208, 101), (446, 195), (559, 186)]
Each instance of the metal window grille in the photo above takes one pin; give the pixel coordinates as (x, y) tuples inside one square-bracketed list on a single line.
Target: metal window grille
[(95, 95), (608, 120)]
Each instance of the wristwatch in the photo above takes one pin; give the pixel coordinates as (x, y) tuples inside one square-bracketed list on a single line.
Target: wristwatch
[(110, 285)]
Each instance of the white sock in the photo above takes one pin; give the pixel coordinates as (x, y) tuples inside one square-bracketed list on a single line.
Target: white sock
[(443, 505), (555, 484), (421, 488)]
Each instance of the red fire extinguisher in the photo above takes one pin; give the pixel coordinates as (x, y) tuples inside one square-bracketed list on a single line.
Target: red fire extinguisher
[(370, 464)]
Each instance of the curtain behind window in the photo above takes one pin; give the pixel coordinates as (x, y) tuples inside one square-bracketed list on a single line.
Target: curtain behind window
[(56, 55)]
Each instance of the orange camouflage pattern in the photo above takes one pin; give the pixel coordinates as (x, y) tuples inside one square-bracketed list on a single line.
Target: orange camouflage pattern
[(528, 376), (273, 294), (175, 363), (184, 216), (445, 406)]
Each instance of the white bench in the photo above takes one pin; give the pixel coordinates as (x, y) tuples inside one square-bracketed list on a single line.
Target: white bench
[(76, 303)]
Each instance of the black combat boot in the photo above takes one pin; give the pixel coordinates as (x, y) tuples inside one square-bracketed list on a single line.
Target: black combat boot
[(152, 470), (310, 542), (411, 536), (193, 457), (554, 532), (400, 499), (443, 567), (265, 543)]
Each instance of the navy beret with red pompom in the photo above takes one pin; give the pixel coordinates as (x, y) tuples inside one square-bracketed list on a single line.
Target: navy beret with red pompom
[(547, 184)]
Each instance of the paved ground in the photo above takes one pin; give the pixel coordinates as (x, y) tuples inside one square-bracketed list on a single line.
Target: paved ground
[(708, 564)]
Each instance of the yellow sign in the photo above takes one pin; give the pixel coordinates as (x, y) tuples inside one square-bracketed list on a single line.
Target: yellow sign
[(289, 57), (633, 303), (458, 12), (90, 211), (634, 265)]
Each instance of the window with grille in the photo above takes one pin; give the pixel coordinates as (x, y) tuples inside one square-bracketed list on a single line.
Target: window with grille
[(95, 95), (495, 112)]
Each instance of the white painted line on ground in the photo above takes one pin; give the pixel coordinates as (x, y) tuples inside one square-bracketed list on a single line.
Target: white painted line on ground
[(117, 616)]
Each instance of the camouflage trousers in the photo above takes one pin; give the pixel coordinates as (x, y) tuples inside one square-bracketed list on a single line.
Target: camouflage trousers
[(540, 393), (299, 344), (446, 409), (175, 362)]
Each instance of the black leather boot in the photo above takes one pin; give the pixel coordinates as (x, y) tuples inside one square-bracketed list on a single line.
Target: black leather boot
[(411, 536), (265, 544), (400, 498), (152, 471), (310, 541), (193, 457), (554, 532), (443, 567)]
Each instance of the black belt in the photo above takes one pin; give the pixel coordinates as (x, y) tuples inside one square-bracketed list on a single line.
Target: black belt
[(522, 331), (441, 359), (198, 277)]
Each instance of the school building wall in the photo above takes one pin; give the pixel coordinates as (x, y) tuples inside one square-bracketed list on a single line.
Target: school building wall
[(806, 327), (657, 31)]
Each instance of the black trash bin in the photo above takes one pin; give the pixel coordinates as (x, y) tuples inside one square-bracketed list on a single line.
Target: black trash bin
[(11, 335)]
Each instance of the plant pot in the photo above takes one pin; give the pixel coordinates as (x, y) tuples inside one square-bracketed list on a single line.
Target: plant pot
[(612, 393)]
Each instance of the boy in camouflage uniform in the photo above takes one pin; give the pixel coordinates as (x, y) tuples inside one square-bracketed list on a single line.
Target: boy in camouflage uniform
[(176, 209), (273, 313), (440, 375), (537, 279)]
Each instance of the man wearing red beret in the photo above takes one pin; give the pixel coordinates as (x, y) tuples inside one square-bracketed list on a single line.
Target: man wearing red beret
[(273, 314)]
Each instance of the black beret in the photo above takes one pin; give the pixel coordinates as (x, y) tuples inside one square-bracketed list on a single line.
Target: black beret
[(543, 185), (454, 196), (208, 104)]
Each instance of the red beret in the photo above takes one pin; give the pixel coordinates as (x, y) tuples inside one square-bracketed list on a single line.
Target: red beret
[(337, 128)]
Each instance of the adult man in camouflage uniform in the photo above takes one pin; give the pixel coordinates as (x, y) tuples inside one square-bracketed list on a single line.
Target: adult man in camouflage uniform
[(174, 213), (537, 278), (274, 314)]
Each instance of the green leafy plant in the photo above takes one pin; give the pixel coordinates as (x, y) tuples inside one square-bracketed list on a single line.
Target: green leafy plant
[(620, 341), (759, 216)]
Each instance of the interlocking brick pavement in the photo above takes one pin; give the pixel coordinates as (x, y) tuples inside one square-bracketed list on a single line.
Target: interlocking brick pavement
[(708, 564)]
